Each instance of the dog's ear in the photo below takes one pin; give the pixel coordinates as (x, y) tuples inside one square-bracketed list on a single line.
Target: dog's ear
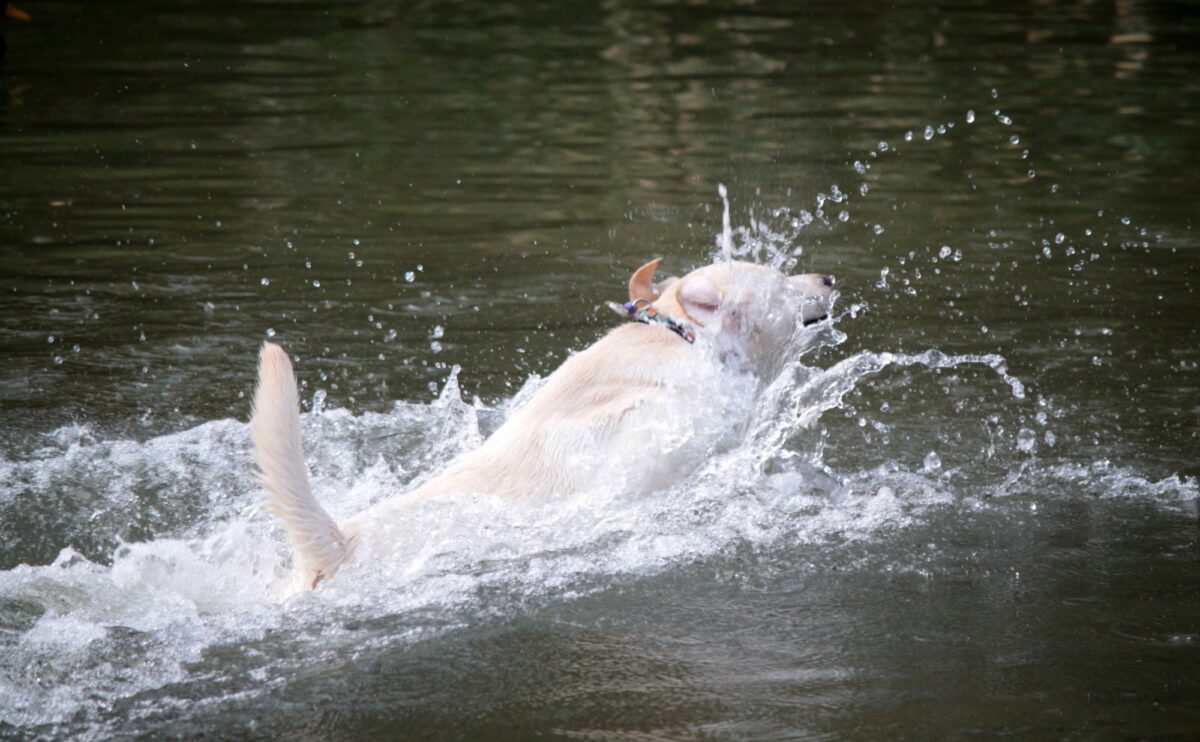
[(700, 298), (641, 285)]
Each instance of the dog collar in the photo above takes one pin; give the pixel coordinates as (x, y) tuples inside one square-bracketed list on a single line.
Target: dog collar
[(650, 316)]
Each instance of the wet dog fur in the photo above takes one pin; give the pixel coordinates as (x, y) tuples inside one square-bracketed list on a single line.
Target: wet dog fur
[(599, 403)]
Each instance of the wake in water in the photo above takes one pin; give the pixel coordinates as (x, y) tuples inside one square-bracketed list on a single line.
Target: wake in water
[(96, 633), (82, 634)]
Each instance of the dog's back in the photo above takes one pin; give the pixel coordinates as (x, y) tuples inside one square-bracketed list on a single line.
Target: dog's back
[(547, 447)]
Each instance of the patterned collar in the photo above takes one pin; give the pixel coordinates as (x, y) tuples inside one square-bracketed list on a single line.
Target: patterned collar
[(650, 316)]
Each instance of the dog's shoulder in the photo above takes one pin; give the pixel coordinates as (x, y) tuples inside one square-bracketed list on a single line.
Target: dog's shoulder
[(629, 363)]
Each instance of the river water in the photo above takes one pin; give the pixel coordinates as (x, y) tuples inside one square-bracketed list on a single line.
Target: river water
[(970, 511)]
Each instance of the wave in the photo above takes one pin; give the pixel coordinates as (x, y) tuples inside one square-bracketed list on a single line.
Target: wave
[(165, 557)]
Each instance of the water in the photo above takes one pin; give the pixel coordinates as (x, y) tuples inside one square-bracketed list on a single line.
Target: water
[(970, 509)]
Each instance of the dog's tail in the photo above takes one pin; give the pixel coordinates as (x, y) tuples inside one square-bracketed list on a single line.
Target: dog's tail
[(275, 430)]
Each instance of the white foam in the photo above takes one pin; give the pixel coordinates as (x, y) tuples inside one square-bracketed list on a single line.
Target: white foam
[(91, 632)]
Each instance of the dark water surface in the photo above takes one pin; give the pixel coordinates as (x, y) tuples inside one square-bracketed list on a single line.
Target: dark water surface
[(391, 190)]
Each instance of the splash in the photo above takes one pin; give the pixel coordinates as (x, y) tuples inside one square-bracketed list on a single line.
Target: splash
[(167, 561), (86, 632), (726, 228)]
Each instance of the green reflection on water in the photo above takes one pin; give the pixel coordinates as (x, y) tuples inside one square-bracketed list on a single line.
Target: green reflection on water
[(177, 180)]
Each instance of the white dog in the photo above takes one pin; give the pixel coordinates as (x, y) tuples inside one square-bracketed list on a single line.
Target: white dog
[(631, 398)]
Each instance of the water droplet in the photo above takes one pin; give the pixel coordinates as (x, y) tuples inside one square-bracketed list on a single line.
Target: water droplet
[(50, 339), (270, 332), (928, 133), (944, 252), (435, 346), (265, 282), (877, 229), (908, 136), (316, 283), (933, 462), (843, 216), (970, 117), (409, 276), (1014, 139), (859, 167), (58, 360), (438, 331), (1026, 440), (318, 402)]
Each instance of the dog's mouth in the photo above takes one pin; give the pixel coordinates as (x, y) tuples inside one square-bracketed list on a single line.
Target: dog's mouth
[(816, 308)]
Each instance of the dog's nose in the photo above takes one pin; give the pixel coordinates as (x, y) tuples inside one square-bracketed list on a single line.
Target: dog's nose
[(827, 280)]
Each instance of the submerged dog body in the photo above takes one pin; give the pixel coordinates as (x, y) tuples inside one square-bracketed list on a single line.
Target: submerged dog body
[(631, 398)]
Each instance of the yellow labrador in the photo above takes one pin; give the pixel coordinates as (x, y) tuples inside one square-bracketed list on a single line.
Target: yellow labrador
[(696, 338)]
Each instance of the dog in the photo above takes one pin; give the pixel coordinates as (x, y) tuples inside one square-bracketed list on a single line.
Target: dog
[(630, 398)]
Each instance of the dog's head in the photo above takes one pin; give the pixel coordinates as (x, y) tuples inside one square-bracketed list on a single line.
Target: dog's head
[(752, 307)]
